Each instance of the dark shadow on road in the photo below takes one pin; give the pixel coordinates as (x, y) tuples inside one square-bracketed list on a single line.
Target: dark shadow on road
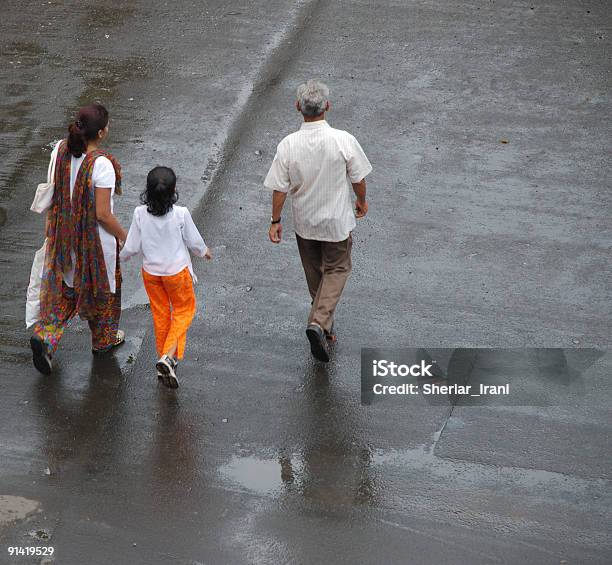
[(82, 427), (173, 450)]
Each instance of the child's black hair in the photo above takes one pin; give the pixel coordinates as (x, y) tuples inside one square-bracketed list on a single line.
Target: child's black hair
[(160, 194)]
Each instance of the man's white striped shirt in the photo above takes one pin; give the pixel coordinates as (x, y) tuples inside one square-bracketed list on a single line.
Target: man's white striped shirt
[(317, 165)]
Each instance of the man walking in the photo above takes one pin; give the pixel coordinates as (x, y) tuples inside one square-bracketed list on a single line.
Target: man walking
[(318, 165)]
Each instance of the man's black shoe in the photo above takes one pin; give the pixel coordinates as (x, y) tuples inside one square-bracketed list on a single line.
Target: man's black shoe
[(318, 342)]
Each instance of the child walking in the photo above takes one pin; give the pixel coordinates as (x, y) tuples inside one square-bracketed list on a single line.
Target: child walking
[(165, 233)]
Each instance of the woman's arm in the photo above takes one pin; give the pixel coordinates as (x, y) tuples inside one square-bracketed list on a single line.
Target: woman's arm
[(104, 215)]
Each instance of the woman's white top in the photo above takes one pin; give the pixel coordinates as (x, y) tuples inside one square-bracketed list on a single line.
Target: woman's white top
[(165, 241), (102, 176)]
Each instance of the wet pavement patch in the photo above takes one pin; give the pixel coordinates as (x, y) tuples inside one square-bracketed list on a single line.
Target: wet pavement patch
[(103, 17), (13, 508), (26, 52), (102, 77)]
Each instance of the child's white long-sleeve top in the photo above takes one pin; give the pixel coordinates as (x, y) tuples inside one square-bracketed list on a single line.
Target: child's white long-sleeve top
[(165, 241)]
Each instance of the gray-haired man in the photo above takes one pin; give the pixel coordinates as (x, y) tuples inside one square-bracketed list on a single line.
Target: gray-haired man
[(318, 165)]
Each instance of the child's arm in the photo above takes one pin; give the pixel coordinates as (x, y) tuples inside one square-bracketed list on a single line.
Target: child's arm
[(193, 239), (133, 240)]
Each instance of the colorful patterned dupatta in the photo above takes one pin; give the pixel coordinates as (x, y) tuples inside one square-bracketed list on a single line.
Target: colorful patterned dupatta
[(73, 226)]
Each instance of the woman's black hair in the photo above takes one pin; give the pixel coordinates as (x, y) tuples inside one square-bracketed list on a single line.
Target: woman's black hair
[(160, 194), (89, 121)]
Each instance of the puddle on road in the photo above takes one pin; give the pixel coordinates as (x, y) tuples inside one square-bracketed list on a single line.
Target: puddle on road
[(263, 476), (319, 476), (369, 476)]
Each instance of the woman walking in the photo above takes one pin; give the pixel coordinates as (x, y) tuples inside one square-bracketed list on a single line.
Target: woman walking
[(81, 272)]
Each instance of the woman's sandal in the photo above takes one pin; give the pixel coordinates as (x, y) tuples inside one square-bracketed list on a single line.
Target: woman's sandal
[(119, 339), (40, 355)]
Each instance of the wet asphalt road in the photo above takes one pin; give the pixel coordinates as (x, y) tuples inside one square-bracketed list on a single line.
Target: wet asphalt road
[(264, 456)]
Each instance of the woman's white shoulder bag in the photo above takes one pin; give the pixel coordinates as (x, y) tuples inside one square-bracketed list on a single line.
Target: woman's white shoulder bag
[(44, 192), (32, 311), (42, 202)]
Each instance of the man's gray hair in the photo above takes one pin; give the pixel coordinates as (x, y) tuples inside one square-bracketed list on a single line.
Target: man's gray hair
[(312, 96)]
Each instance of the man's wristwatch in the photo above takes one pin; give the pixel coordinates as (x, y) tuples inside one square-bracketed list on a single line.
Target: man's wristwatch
[(273, 221)]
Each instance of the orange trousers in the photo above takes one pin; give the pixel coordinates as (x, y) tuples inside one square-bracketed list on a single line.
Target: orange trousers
[(173, 305)]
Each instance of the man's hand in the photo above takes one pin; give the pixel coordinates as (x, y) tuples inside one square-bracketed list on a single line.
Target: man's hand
[(275, 233), (208, 254), (361, 208)]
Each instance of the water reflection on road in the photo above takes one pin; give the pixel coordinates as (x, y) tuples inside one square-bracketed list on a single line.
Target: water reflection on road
[(332, 466), (82, 426)]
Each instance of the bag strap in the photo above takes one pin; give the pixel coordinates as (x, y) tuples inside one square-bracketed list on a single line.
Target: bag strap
[(53, 160)]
